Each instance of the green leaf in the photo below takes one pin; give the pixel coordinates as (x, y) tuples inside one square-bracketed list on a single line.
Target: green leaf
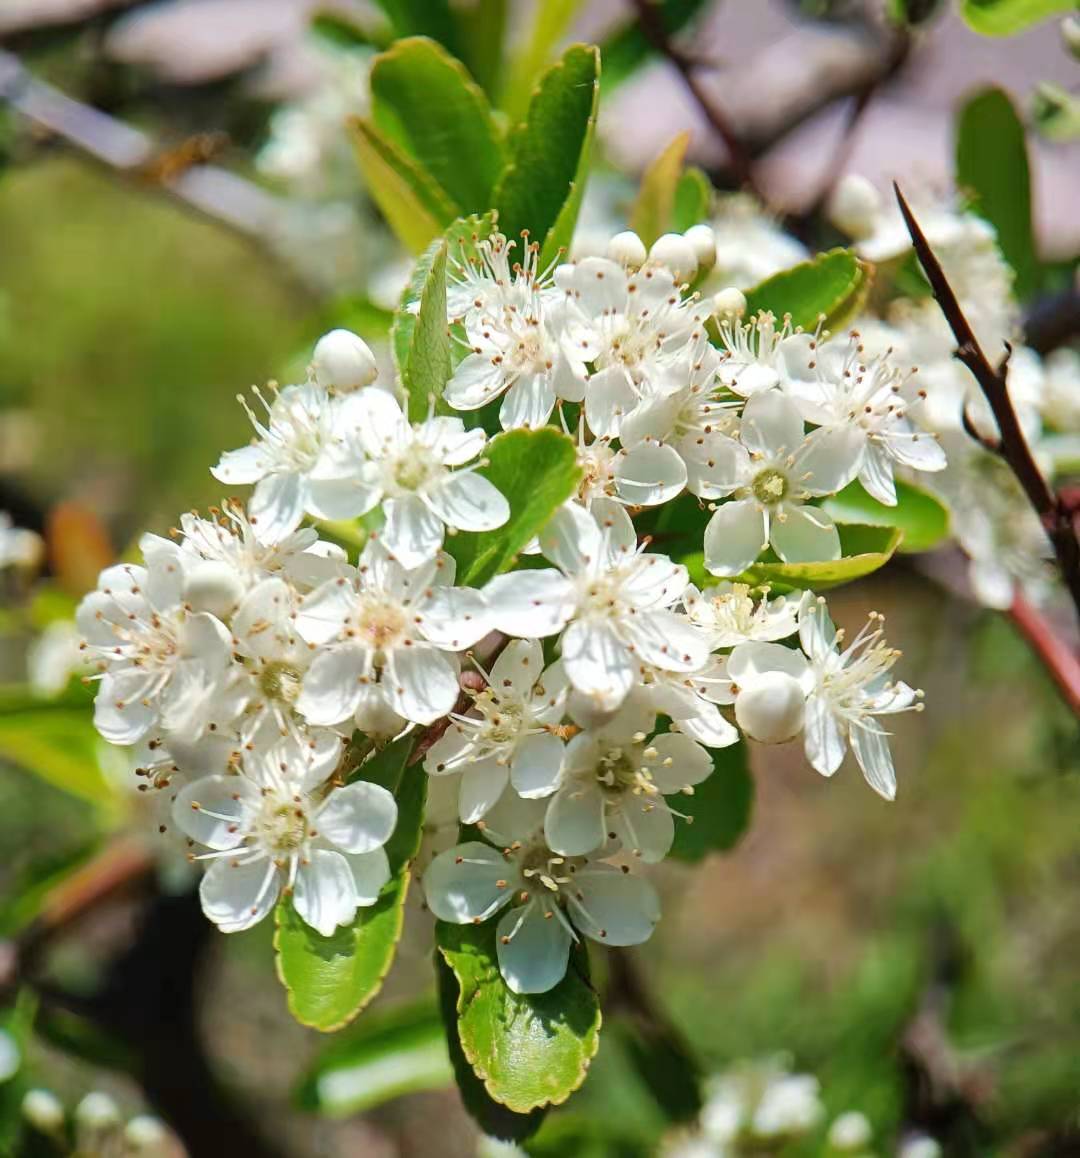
[(720, 807), (331, 979), (482, 27), (537, 471), (425, 101), (434, 18), (822, 286), (551, 19), (866, 550), (992, 167), (655, 204), (531, 1049), (1006, 17), (1055, 112), (422, 342), (921, 516), (414, 205), (668, 1072), (544, 181), (391, 1052), (693, 200), (349, 31)]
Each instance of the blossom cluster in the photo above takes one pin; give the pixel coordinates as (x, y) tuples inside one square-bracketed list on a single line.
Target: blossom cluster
[(245, 653)]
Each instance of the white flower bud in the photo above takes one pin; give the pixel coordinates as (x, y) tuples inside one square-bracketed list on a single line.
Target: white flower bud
[(97, 1112), (850, 1131), (1070, 33), (702, 238), (854, 205), (146, 1135), (627, 249), (675, 252), (919, 1146), (213, 586), (343, 360), (729, 303), (43, 1110), (770, 707)]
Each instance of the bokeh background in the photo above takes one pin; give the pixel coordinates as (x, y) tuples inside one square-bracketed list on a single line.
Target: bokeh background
[(920, 958)]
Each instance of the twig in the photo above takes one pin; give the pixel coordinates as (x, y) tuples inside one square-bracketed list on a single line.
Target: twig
[(651, 21), (1057, 657), (1057, 521)]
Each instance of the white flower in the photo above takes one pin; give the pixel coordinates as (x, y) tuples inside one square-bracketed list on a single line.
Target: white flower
[(1060, 403), (505, 737), (729, 615), (771, 471), (851, 688), (642, 336), (789, 1107), (280, 826), (754, 354), (851, 1131), (548, 898), (288, 463), (343, 361), (409, 469), (768, 684), (387, 636), (835, 386), (54, 657), (688, 701), (613, 786), (616, 599), (485, 280), (160, 664)]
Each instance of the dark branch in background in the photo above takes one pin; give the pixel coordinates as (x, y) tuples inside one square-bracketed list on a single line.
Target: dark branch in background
[(1056, 519), (651, 21), (1053, 321), (1057, 657)]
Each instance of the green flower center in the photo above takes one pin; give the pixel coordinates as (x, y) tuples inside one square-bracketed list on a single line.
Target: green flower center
[(769, 486)]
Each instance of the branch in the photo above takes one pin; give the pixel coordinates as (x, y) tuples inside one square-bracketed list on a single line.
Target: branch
[(1056, 655), (651, 22), (1056, 519)]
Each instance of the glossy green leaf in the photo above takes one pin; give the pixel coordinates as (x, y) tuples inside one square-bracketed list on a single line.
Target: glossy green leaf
[(655, 204), (422, 341), (330, 979), (425, 101), (720, 807), (992, 168), (393, 1051), (550, 22), (866, 550), (529, 1050), (693, 200), (414, 205), (1007, 17), (537, 471), (544, 181), (921, 516), (823, 286)]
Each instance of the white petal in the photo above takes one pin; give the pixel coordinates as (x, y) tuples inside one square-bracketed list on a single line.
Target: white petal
[(617, 534), (690, 763), (325, 891), (482, 784), (817, 635), (574, 821), (832, 456), (276, 507), (452, 749), (650, 474), (475, 382), (322, 613), (370, 871), (239, 467), (716, 465), (518, 667), (750, 659), (530, 603), (451, 443), (804, 535), (771, 424), (609, 395), (453, 617), (421, 683), (528, 403), (235, 897), (413, 533), (532, 948), (597, 662), (921, 451), (876, 475), (645, 826), (358, 817), (709, 727), (666, 640), (468, 502), (262, 623), (377, 419), (214, 810), (734, 537), (536, 765), (461, 884), (871, 749), (331, 690), (825, 745), (342, 498), (120, 714), (614, 907), (571, 539)]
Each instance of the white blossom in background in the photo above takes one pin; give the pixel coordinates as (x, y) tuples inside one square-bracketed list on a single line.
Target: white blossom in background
[(543, 900), (750, 245), (19, 547)]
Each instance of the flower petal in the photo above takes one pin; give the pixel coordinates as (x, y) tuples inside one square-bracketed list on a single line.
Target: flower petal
[(597, 661), (609, 396), (871, 748), (771, 424), (421, 682), (461, 884), (612, 906), (370, 872), (680, 762), (650, 474), (482, 784), (324, 895), (644, 825), (276, 507), (804, 535), (574, 821), (533, 948), (413, 533), (359, 817), (536, 765), (468, 502), (734, 537), (824, 742), (237, 896), (332, 685), (532, 604), (832, 456)]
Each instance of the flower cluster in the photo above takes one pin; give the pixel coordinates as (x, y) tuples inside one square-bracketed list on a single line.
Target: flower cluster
[(244, 654)]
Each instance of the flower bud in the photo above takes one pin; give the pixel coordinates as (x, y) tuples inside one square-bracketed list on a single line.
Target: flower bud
[(854, 205), (675, 252), (146, 1135), (850, 1131), (703, 240), (42, 1110), (627, 249), (770, 707), (213, 586), (97, 1112), (729, 303), (343, 360)]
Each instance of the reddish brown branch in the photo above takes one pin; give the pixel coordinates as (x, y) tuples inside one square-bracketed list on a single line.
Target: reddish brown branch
[(1056, 519), (1057, 657)]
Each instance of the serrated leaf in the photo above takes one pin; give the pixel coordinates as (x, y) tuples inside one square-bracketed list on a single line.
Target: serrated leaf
[(693, 200), (414, 205), (544, 180), (655, 203), (992, 168), (532, 1049), (536, 471), (823, 286), (425, 100), (422, 341), (331, 979), (720, 806), (1007, 17), (391, 1052), (921, 516)]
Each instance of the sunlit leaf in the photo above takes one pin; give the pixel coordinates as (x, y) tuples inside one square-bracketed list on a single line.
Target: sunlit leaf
[(821, 287), (693, 200), (1007, 17), (921, 516)]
